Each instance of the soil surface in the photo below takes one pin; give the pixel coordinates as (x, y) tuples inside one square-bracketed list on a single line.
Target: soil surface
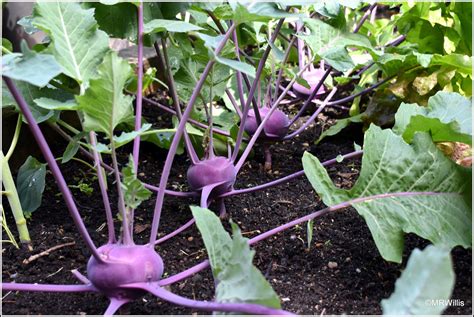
[(341, 273)]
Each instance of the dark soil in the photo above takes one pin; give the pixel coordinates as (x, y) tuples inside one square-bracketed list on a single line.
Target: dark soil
[(301, 277)]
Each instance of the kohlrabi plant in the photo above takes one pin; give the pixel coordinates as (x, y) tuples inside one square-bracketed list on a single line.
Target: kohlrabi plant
[(300, 54)]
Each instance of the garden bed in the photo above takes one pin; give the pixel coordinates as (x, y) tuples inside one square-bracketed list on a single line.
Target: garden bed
[(306, 280)]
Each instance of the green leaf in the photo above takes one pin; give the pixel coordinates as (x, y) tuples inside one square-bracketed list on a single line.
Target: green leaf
[(338, 127), (72, 147), (133, 190), (390, 165), (76, 43), (428, 277), (126, 137), (331, 43), (238, 280), (309, 232), (52, 104), (238, 66), (7, 46), (161, 25), (30, 184), (253, 11), (36, 69), (31, 93), (104, 104), (462, 63), (448, 117)]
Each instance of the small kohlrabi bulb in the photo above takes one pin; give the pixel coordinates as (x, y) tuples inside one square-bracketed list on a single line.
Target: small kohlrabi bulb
[(313, 77), (276, 127), (211, 171)]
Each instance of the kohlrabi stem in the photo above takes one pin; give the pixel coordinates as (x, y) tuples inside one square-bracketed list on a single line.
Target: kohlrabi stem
[(126, 235), (255, 136), (53, 166), (103, 189), (174, 96), (259, 71), (286, 178), (192, 121), (114, 305), (253, 309), (139, 100), (210, 121), (56, 288), (364, 17), (203, 265), (14, 201), (240, 86), (301, 53), (234, 103), (366, 90), (283, 62), (313, 116), (245, 106), (16, 135), (179, 132)]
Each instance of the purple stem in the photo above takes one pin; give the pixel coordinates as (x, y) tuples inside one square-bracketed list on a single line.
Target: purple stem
[(205, 193), (138, 110), (103, 189), (58, 288), (311, 96), (253, 309), (114, 305), (233, 101), (245, 105), (259, 71), (364, 17), (174, 95), (255, 136), (205, 264), (192, 121), (313, 116), (352, 97), (53, 166), (283, 62), (286, 178), (171, 192), (177, 137)]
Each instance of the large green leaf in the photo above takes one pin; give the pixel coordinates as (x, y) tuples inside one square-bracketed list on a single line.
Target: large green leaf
[(390, 166), (36, 69), (427, 281), (104, 104), (238, 280), (77, 44), (30, 184), (330, 43), (448, 117)]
